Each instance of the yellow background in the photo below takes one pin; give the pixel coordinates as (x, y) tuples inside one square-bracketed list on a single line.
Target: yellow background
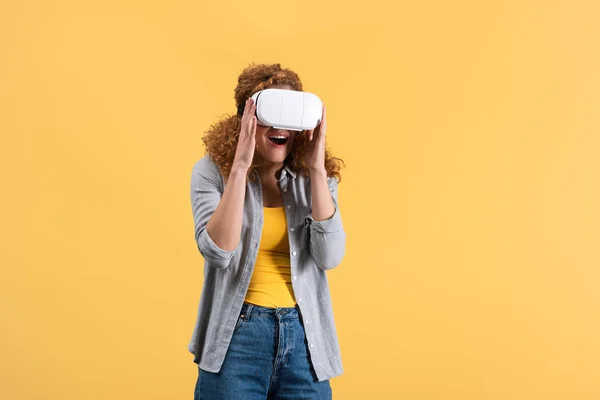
[(471, 196)]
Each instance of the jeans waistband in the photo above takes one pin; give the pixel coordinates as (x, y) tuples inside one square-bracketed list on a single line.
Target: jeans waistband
[(288, 312)]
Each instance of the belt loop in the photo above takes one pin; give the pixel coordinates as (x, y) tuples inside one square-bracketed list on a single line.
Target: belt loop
[(248, 311)]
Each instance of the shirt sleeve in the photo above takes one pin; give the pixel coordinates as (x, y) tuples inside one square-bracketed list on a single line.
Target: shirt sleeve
[(205, 196), (327, 238)]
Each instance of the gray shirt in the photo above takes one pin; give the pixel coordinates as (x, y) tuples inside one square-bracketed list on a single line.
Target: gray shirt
[(315, 247)]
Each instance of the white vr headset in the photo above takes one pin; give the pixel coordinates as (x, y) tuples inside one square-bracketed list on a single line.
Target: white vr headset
[(287, 109)]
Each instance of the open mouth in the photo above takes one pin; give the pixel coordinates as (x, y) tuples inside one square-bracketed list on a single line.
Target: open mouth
[(278, 140)]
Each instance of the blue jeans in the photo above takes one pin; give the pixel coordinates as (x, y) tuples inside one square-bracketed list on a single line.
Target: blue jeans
[(267, 359)]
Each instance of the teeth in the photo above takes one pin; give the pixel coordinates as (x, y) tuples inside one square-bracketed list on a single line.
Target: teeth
[(277, 137)]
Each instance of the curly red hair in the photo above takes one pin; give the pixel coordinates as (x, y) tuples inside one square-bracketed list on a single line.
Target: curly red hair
[(221, 138)]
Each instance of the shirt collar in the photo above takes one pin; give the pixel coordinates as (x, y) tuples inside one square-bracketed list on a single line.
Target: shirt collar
[(289, 170)]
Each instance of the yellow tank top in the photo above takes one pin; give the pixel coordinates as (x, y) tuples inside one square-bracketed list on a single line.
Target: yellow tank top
[(271, 284)]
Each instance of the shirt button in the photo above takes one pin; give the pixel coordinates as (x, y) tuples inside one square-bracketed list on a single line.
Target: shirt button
[(306, 321), (294, 253), (292, 229), (299, 300), (255, 244), (285, 190), (289, 206), (295, 277), (312, 345)]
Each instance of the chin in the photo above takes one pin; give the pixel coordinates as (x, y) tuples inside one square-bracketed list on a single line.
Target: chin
[(275, 158), (278, 155)]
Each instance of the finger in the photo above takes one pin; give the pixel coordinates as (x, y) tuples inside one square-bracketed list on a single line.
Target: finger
[(324, 123), (250, 108), (317, 130), (253, 109), (246, 108), (251, 125)]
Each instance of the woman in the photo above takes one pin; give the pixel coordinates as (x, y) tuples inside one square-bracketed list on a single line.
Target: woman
[(268, 226)]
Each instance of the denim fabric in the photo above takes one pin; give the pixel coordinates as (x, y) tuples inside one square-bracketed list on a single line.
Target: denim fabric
[(316, 247), (267, 359)]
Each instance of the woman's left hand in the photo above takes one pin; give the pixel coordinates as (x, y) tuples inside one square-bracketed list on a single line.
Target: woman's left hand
[(314, 151)]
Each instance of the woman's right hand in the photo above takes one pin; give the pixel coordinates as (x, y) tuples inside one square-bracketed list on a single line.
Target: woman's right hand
[(244, 153)]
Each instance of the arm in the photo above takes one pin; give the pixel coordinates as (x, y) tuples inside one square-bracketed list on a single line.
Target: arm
[(327, 238), (217, 217)]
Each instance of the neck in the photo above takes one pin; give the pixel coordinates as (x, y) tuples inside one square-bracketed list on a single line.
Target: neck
[(269, 171)]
